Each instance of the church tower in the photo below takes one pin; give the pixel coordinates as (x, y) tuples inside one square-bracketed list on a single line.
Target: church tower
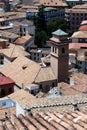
[(59, 55)]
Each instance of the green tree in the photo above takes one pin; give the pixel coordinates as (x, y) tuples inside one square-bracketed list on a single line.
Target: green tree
[(40, 21), (55, 24), (40, 38), (40, 33)]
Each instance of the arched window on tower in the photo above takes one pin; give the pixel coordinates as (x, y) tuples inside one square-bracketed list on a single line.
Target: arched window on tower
[(63, 50)]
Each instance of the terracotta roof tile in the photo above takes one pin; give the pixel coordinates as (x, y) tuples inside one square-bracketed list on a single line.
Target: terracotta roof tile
[(13, 51), (43, 122), (22, 40), (55, 3), (9, 125), (35, 122), (1, 126), (78, 127), (46, 121), (26, 123)]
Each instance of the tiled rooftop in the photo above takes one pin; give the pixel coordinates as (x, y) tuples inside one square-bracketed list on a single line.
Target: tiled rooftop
[(47, 121), (26, 71), (79, 34), (13, 51), (57, 104), (7, 34), (13, 15), (23, 40), (84, 22), (53, 3)]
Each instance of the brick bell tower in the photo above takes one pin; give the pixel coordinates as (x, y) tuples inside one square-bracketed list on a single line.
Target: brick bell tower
[(59, 55)]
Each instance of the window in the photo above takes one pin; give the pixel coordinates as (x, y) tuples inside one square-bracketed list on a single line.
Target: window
[(1, 63), (34, 58), (38, 54), (63, 50), (53, 84), (10, 90), (40, 87), (42, 55), (24, 29), (2, 92), (2, 57), (53, 49), (20, 29), (80, 62)]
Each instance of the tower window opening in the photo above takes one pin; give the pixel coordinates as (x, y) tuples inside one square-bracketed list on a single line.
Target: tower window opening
[(63, 50)]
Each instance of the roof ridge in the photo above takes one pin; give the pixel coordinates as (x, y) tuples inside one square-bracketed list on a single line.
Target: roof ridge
[(37, 74)]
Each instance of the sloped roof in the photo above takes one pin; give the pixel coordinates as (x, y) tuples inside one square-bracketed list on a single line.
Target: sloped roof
[(54, 39), (22, 40), (53, 3), (23, 71), (83, 22), (7, 34), (76, 120), (21, 95), (45, 74), (59, 32), (79, 34), (13, 51)]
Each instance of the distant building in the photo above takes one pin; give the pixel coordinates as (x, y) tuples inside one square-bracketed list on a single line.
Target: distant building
[(49, 12), (29, 2), (10, 53), (10, 37), (82, 59), (6, 5), (25, 41), (79, 38), (6, 86), (37, 54), (75, 16), (5, 24), (75, 2)]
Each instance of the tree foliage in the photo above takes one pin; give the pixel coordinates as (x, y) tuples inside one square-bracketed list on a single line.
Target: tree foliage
[(40, 22), (44, 29), (41, 38), (41, 29), (55, 24)]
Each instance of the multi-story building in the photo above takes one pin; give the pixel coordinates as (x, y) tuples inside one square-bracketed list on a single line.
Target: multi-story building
[(37, 54), (6, 5), (49, 12), (53, 9), (75, 2), (76, 15)]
